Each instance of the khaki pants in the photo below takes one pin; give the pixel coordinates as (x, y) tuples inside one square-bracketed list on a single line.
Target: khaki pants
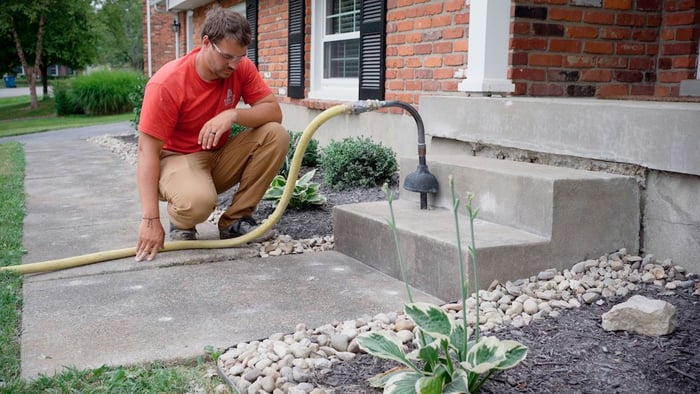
[(190, 183)]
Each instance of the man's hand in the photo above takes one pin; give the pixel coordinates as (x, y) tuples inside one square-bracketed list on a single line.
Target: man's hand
[(215, 129), (151, 239)]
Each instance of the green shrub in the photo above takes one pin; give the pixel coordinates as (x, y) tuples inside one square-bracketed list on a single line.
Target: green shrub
[(106, 92), (66, 102), (357, 162), (310, 158), (136, 100)]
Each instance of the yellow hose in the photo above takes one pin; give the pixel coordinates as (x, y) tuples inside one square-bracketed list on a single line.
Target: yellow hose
[(76, 261)]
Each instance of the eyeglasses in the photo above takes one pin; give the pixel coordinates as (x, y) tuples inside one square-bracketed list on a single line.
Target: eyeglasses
[(226, 56)]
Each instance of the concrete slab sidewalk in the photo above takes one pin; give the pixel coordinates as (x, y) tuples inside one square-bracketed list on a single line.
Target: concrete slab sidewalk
[(80, 198)]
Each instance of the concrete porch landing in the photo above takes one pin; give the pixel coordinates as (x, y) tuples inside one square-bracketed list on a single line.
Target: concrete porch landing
[(531, 217)]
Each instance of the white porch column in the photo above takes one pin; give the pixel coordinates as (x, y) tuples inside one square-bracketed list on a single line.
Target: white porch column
[(489, 30)]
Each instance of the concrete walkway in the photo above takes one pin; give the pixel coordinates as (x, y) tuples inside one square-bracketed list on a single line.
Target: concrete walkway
[(81, 198)]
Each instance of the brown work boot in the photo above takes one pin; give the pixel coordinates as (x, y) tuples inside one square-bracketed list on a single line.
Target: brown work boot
[(244, 226)]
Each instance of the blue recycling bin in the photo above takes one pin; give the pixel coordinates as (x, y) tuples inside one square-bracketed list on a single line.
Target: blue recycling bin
[(10, 81)]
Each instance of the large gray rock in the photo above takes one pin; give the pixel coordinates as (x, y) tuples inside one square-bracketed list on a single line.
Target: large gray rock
[(642, 315)]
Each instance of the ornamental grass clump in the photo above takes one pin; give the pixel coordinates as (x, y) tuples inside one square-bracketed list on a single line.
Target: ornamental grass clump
[(446, 359)]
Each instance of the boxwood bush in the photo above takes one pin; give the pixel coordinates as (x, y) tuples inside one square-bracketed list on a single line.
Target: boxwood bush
[(357, 162)]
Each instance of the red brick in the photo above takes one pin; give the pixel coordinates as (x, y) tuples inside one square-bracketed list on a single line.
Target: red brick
[(454, 5), (678, 19), (453, 33), (641, 63), (433, 8), (687, 34), (652, 49), (405, 74), (685, 62), (395, 84), (556, 45), (404, 26), (599, 17), (413, 62), (406, 50), (612, 90), (430, 86), (684, 48), (443, 73), (636, 20), (649, 5), (545, 60), (460, 46), (414, 38), (396, 62), (653, 20), (540, 89), (413, 85), (674, 76), (579, 61), (638, 90), (564, 14), (582, 32), (519, 58), (598, 47), (442, 47), (454, 60), (668, 33), (617, 4), (442, 20), (424, 74), (597, 75), (520, 89), (529, 74), (521, 28), (422, 23), (554, 75), (423, 49), (612, 62), (629, 49), (662, 91), (432, 61), (615, 33), (629, 76), (449, 86), (528, 43)]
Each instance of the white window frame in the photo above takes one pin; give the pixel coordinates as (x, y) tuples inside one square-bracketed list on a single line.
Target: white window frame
[(344, 89)]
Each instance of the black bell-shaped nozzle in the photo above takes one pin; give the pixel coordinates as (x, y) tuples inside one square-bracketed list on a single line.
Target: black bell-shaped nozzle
[(423, 182)]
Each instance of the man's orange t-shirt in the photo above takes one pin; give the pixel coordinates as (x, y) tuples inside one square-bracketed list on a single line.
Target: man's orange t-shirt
[(177, 101)]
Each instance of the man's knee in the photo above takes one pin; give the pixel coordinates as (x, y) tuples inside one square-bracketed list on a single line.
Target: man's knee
[(191, 208)]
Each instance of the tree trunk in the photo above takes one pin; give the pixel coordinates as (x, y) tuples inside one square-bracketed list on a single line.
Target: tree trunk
[(44, 78)]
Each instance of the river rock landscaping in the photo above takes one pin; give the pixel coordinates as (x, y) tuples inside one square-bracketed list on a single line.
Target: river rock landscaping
[(557, 315)]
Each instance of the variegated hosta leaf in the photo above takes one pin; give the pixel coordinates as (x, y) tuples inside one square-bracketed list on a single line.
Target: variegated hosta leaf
[(402, 383), (431, 319), (430, 354), (379, 380), (515, 353), (490, 353), (429, 385), (459, 383), (383, 345), (458, 341)]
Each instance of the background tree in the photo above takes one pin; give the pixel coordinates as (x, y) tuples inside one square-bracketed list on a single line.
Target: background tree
[(15, 17), (48, 32), (120, 31)]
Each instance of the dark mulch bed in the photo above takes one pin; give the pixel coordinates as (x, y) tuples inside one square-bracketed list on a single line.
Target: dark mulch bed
[(573, 354)]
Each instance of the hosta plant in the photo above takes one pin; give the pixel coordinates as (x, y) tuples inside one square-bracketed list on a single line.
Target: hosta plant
[(446, 359), (305, 194)]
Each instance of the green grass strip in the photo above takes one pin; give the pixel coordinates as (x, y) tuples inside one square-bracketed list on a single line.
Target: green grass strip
[(11, 251)]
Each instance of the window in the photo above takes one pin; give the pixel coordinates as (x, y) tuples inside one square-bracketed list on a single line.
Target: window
[(335, 49), (347, 49)]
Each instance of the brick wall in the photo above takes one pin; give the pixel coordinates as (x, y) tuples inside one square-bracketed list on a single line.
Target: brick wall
[(603, 48), (574, 48), (426, 47)]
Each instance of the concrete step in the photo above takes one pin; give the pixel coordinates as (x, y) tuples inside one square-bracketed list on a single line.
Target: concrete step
[(531, 217)]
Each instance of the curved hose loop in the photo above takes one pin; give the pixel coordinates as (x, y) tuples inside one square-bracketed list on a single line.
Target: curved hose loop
[(76, 261)]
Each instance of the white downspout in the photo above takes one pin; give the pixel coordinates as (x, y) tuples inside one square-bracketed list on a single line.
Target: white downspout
[(148, 37), (189, 29)]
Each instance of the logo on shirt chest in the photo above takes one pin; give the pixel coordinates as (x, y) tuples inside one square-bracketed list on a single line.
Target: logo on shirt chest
[(229, 98)]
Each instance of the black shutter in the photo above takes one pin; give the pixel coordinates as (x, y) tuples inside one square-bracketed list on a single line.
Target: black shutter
[(251, 13), (295, 51), (372, 49)]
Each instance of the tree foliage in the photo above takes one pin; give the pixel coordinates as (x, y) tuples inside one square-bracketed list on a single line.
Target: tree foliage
[(120, 33), (47, 32)]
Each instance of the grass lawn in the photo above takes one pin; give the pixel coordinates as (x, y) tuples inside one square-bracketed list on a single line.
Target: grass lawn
[(16, 118), (192, 376)]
